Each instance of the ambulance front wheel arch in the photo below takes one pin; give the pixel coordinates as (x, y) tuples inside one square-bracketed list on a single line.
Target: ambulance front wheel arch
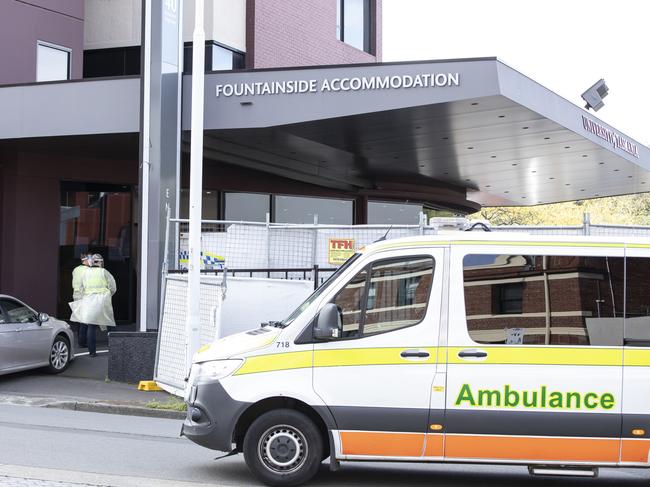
[(273, 403), (283, 447)]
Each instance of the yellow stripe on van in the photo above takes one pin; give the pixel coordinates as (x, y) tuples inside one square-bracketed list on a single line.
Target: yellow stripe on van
[(637, 357), (275, 362), (495, 355), (369, 356), (540, 356)]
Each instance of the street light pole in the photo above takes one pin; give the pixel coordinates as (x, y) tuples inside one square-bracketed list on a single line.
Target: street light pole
[(193, 324)]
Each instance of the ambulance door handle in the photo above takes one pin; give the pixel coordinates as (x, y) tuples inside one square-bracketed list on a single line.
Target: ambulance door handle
[(472, 354), (414, 354)]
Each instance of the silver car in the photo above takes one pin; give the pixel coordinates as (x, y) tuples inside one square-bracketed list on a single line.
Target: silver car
[(29, 340)]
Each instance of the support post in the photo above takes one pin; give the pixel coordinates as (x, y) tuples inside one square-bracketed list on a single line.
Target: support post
[(160, 115), (193, 324)]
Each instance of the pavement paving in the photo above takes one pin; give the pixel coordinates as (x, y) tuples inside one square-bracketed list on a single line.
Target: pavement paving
[(83, 386)]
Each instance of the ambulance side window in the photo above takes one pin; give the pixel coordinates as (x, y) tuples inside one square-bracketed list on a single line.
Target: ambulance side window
[(389, 295), (398, 294), (637, 306), (350, 301), (544, 299)]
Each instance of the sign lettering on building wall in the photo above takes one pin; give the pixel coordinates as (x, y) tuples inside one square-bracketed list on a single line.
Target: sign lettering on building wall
[(362, 83), (340, 250), (618, 141)]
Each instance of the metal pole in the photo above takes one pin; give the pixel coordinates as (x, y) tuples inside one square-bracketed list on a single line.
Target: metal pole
[(586, 224), (193, 324), (145, 165)]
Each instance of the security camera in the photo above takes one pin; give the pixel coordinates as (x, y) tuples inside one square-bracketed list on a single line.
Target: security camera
[(595, 94)]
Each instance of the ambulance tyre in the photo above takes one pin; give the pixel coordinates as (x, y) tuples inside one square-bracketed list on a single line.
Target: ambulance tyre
[(283, 448)]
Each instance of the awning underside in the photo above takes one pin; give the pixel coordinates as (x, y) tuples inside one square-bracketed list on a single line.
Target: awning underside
[(502, 153)]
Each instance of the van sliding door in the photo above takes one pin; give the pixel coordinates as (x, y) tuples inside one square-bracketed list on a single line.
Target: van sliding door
[(535, 354), (635, 449)]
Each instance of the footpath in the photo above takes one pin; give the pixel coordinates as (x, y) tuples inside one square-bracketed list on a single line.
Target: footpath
[(84, 387)]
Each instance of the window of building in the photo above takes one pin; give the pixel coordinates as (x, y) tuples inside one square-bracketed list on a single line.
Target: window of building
[(509, 298), (544, 299), (248, 207), (217, 58), (395, 295), (116, 61), (52, 62), (353, 24), (302, 209), (209, 204), (380, 212)]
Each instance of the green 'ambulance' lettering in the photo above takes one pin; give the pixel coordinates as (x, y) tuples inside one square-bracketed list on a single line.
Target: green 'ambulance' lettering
[(541, 398)]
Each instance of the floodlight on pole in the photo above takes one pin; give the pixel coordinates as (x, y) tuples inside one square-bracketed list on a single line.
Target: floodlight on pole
[(595, 94), (193, 323)]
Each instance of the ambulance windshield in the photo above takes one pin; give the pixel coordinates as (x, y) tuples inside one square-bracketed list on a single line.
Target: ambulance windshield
[(319, 291)]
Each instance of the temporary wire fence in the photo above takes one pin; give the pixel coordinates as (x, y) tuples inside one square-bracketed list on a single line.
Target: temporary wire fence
[(285, 252)]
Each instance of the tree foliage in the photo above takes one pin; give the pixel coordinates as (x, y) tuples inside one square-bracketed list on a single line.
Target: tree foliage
[(629, 210)]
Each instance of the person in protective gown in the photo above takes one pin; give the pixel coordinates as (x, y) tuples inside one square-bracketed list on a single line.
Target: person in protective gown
[(95, 308), (77, 274)]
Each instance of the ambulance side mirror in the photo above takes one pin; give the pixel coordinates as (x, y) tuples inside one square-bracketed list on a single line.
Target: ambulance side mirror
[(328, 323)]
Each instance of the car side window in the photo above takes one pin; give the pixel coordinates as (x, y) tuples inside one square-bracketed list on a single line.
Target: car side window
[(569, 300), (388, 295), (17, 312)]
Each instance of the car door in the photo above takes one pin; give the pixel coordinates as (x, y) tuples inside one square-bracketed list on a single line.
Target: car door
[(376, 377), (31, 339), (7, 338), (534, 362)]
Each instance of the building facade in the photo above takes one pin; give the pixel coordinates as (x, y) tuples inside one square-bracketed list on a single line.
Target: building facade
[(64, 195), (302, 122)]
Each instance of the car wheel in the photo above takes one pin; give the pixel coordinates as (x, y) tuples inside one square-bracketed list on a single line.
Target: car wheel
[(283, 447), (59, 355)]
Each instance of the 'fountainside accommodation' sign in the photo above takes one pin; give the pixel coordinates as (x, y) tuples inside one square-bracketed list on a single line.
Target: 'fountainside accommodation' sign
[(610, 136), (361, 83)]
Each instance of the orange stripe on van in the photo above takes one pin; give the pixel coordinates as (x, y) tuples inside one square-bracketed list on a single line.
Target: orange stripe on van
[(533, 448), (635, 451), (383, 444), (435, 445)]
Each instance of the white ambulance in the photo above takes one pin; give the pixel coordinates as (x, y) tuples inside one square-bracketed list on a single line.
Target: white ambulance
[(464, 347)]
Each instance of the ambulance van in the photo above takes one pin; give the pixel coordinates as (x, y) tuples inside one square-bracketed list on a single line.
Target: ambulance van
[(479, 348)]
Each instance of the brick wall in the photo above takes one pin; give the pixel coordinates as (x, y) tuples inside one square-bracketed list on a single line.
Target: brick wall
[(301, 33)]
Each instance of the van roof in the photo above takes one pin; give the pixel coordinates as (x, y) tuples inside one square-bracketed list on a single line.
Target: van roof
[(506, 238)]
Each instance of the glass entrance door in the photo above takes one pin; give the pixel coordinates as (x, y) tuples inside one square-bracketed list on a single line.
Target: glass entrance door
[(97, 218)]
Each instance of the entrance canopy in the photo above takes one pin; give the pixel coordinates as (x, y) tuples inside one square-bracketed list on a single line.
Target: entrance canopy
[(460, 133)]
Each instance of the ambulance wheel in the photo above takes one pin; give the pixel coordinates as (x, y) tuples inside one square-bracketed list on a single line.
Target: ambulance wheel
[(59, 355), (283, 448)]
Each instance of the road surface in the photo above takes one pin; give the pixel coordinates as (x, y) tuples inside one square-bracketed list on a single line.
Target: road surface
[(42, 447)]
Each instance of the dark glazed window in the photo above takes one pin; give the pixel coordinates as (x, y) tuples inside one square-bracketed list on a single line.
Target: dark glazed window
[(544, 299), (248, 207), (353, 23), (395, 295), (299, 209), (380, 212)]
